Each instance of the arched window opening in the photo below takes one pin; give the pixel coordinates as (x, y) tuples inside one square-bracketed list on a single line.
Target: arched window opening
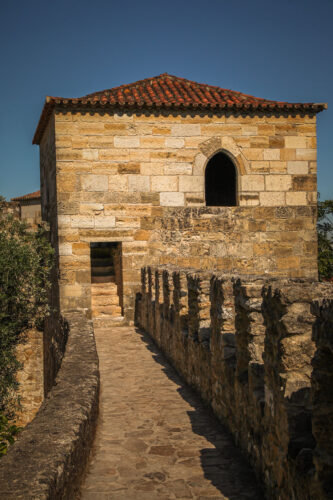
[(220, 182)]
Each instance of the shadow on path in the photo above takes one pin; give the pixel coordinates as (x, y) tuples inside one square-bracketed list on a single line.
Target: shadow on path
[(224, 465)]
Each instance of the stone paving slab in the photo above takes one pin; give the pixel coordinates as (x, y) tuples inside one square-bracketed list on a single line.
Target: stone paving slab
[(155, 437)]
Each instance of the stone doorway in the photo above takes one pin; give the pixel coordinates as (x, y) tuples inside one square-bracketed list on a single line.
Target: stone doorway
[(106, 281)]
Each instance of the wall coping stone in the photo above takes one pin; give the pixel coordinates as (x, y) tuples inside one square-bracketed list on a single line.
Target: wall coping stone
[(50, 456)]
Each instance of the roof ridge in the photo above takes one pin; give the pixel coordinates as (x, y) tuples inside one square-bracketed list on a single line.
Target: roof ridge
[(172, 77), (124, 85)]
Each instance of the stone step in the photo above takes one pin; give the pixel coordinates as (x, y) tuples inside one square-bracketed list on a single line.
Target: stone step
[(106, 308), (101, 270), (102, 279), (108, 321), (105, 300), (104, 289), (101, 262), (112, 281), (106, 311)]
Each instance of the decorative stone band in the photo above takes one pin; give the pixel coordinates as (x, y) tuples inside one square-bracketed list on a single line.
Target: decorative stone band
[(259, 351), (50, 456)]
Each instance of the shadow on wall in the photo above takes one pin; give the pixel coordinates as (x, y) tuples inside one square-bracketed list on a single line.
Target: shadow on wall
[(223, 464), (246, 346), (322, 393)]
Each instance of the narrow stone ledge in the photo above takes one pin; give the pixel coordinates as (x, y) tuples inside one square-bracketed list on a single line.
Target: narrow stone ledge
[(49, 458)]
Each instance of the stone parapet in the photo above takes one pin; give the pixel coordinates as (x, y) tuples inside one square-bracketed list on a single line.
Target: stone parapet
[(31, 376), (50, 456), (248, 346), (322, 396)]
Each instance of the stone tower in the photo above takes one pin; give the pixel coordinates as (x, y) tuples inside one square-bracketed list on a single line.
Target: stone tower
[(170, 171)]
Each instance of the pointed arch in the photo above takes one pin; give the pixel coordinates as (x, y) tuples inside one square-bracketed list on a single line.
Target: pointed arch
[(221, 181)]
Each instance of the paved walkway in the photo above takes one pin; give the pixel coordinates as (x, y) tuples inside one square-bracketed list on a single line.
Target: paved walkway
[(155, 438)]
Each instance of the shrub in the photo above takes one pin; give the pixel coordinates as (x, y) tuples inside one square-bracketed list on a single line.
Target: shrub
[(325, 240), (25, 263), (8, 432)]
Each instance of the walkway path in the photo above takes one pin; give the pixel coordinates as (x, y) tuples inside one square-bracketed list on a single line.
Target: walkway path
[(155, 438)]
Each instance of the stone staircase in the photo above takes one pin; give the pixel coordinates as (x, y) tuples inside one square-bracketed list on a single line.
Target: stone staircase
[(106, 310)]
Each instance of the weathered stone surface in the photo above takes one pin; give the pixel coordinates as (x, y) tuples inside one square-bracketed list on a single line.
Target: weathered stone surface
[(246, 345), (31, 376), (172, 199), (272, 199), (50, 456), (155, 438), (304, 183), (322, 397), (164, 183), (96, 164), (298, 167), (278, 182), (210, 146), (94, 182), (191, 183), (253, 183)]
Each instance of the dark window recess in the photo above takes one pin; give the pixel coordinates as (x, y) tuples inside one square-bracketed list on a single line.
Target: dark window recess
[(220, 182)]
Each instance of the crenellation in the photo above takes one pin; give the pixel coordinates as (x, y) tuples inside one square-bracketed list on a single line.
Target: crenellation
[(247, 346)]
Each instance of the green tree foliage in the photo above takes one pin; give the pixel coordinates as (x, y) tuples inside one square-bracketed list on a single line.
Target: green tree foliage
[(8, 432), (25, 262), (325, 239)]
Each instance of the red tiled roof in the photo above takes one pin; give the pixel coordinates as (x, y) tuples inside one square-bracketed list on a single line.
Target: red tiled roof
[(171, 92), (30, 196)]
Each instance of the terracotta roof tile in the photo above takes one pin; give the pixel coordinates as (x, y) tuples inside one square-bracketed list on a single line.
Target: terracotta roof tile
[(30, 196), (167, 91)]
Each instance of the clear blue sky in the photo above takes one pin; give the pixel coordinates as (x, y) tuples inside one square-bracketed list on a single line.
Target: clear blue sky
[(279, 50)]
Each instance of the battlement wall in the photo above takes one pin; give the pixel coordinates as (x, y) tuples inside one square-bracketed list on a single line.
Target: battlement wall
[(49, 458), (258, 350)]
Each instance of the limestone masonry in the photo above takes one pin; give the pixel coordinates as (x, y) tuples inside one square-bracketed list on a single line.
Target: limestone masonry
[(248, 346), (191, 209), (30, 209), (128, 165)]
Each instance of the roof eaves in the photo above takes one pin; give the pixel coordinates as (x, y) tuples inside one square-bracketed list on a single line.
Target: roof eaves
[(27, 197), (43, 120), (92, 100)]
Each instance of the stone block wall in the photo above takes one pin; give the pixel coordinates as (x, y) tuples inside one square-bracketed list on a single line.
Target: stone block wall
[(55, 329), (247, 345), (41, 355), (272, 241), (55, 337), (114, 176), (31, 376), (31, 213), (165, 154), (49, 458), (276, 241), (322, 395)]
